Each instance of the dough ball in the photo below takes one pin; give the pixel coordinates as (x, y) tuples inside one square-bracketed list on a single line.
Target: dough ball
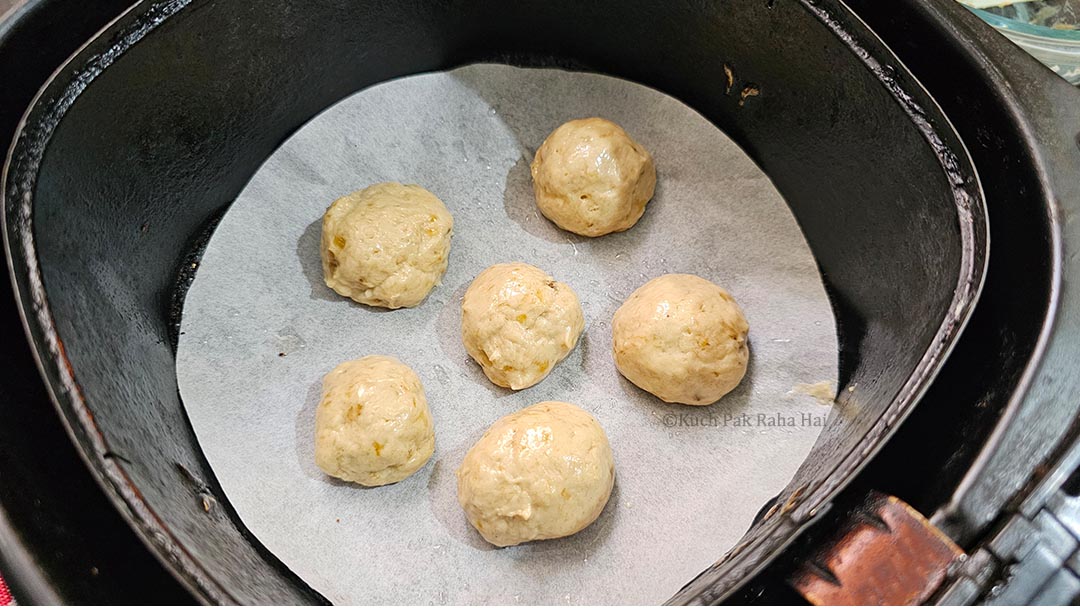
[(517, 323), (386, 245), (373, 426), (591, 178), (543, 472), (681, 338)]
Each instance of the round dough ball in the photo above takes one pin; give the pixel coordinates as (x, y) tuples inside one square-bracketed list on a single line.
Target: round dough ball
[(543, 472), (681, 338), (591, 178), (517, 323), (386, 245), (373, 426)]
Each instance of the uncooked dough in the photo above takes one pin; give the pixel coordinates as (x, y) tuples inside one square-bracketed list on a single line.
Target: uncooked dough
[(543, 472), (386, 245), (517, 323), (681, 338), (373, 426), (591, 178)]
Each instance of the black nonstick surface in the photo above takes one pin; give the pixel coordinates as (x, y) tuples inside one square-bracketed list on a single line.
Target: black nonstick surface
[(141, 141)]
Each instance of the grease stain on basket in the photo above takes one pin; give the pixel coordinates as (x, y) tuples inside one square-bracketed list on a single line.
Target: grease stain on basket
[(750, 90)]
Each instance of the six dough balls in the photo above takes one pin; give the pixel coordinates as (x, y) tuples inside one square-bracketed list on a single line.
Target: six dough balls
[(543, 472), (517, 323), (681, 338), (386, 245), (372, 426), (591, 178)]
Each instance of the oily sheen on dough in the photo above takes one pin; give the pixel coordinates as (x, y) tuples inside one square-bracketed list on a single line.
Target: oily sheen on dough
[(682, 338), (517, 323), (543, 472), (386, 245), (373, 426), (591, 178)]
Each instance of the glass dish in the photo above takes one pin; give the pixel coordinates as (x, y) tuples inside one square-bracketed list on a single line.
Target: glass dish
[(1047, 29)]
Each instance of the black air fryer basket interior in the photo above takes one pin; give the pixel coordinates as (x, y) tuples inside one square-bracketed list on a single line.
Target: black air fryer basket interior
[(140, 142)]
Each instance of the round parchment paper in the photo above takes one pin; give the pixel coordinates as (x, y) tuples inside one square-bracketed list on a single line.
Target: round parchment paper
[(260, 329)]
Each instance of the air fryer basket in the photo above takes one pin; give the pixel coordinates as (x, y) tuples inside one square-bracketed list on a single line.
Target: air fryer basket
[(141, 141)]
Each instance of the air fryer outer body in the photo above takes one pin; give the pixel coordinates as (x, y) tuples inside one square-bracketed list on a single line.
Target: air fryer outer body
[(1024, 151)]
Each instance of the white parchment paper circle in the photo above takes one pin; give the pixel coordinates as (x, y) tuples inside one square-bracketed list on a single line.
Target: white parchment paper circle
[(260, 329)]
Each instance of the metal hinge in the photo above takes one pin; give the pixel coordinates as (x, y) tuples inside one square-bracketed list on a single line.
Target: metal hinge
[(1034, 557)]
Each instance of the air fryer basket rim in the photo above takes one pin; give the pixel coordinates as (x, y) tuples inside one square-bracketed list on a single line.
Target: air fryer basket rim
[(59, 379), (32, 139)]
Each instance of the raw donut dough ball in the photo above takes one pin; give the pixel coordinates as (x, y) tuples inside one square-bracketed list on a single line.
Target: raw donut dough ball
[(373, 426), (543, 472), (517, 323), (386, 245), (591, 178), (681, 338)]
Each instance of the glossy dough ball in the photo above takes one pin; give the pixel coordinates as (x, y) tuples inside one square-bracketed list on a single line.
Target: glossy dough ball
[(373, 426), (591, 178), (681, 338), (517, 323), (386, 245), (543, 472)]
